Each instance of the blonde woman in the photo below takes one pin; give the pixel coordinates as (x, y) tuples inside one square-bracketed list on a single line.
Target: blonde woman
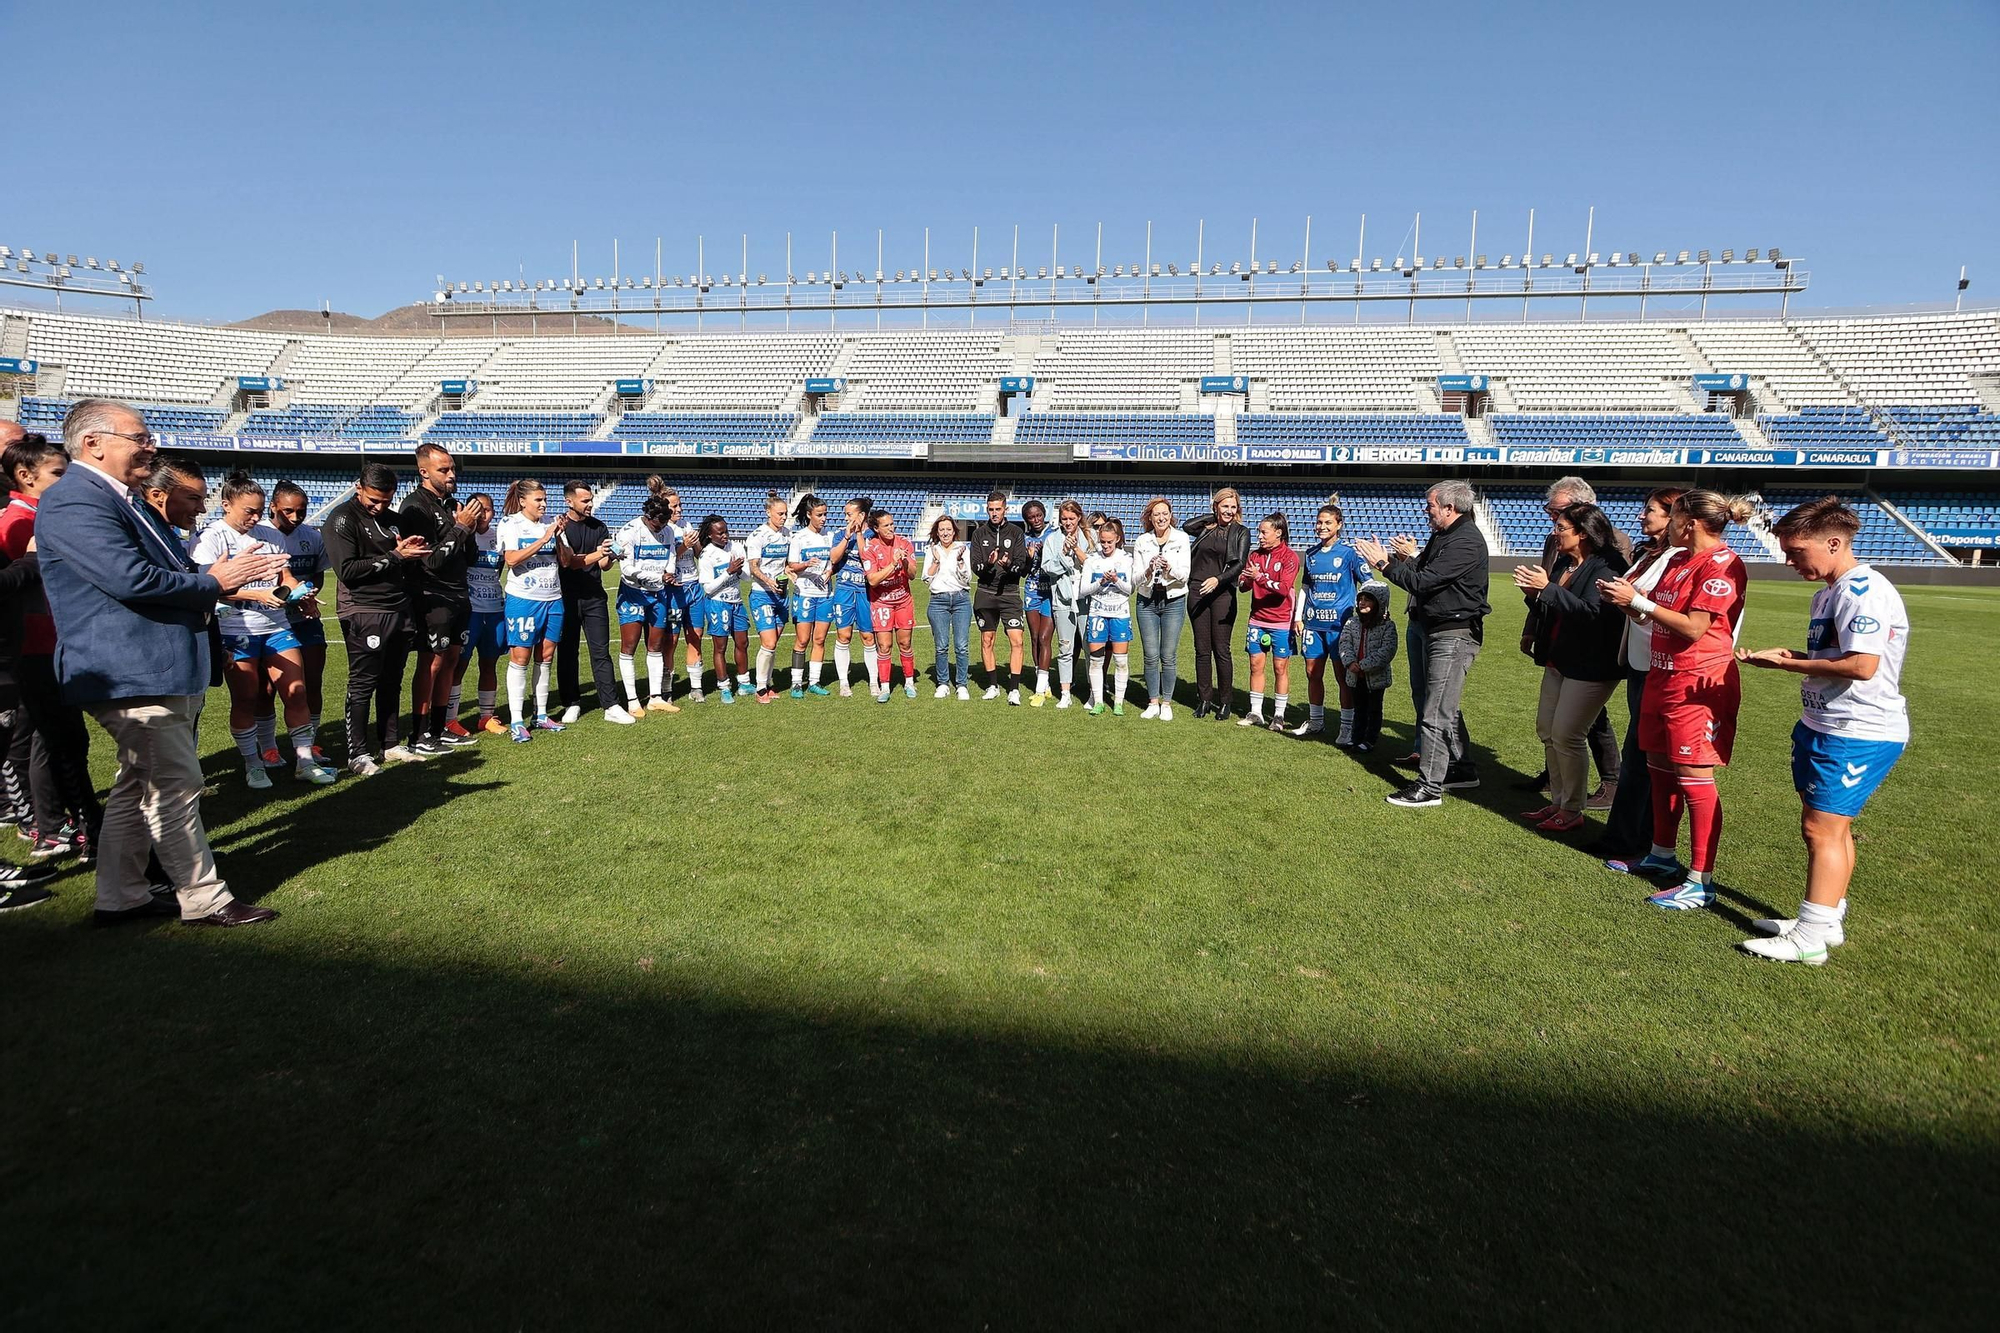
[(1219, 551), (1161, 560)]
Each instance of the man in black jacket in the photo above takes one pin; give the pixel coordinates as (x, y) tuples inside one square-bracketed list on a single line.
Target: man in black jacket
[(441, 601), (586, 611), (1447, 587), (999, 559), (371, 558)]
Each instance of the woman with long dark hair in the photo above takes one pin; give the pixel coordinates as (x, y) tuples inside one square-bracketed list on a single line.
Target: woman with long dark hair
[(1628, 825), (1577, 634)]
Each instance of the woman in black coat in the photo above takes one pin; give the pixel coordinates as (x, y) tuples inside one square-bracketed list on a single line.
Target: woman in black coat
[(1576, 641), (1221, 549)]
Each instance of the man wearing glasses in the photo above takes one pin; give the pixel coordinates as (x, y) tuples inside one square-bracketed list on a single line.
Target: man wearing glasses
[(132, 639)]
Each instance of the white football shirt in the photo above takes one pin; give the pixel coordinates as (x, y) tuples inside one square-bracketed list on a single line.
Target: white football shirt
[(1860, 613), (535, 579)]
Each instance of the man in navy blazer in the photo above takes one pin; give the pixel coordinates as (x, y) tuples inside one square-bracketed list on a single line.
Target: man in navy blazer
[(132, 649)]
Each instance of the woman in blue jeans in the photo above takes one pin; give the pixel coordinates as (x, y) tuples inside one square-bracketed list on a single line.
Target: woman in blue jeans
[(1160, 560), (948, 573)]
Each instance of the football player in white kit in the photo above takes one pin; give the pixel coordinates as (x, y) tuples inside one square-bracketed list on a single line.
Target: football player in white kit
[(307, 632), (1855, 722), (720, 571), (249, 620), (486, 631), (648, 556), (531, 550), (811, 566), (770, 548)]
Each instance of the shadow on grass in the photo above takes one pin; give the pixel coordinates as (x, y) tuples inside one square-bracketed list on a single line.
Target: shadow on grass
[(332, 1141)]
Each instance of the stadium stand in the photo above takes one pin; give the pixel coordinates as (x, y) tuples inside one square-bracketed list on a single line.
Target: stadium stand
[(1864, 385), (1706, 430), (1579, 368), (1115, 428), (1335, 369), (955, 428), (923, 371), (1430, 428), (699, 427), (513, 426)]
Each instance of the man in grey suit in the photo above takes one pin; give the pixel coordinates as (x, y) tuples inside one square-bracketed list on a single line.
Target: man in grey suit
[(132, 648)]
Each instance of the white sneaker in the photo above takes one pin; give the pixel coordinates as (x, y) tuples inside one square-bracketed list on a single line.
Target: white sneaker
[(941, 692), (317, 774), (992, 692), (573, 712), (846, 691), (258, 779), (1166, 712), (403, 754), (1063, 702), (1785, 949), (1308, 728), (1250, 720), (963, 694), (364, 767), (616, 714), (1836, 935), (1345, 739), (1152, 711), (1014, 698)]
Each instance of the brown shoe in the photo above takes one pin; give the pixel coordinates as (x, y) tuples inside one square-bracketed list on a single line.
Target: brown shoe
[(234, 914), (1603, 798)]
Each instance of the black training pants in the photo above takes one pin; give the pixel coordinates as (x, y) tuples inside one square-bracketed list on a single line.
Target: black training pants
[(592, 621), (59, 775), (1214, 620), (378, 647)]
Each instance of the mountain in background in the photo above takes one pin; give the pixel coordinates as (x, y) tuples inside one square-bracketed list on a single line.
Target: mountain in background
[(415, 321)]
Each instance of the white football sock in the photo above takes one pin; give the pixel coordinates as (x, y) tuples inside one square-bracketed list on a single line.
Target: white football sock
[(457, 700), (843, 658), (541, 670), (1041, 681), (812, 672), (657, 679), (743, 685), (1278, 702), (486, 704), (1256, 703), (1814, 923), (246, 743), (302, 743), (1347, 719), (267, 733), (629, 675), (765, 657), (1316, 712), (1096, 680), (694, 677), (517, 688), (1123, 674), (868, 656)]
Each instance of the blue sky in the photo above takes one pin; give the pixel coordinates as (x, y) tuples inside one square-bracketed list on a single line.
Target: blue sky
[(258, 156)]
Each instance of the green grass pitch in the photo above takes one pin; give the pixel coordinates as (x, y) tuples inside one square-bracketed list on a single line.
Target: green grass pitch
[(953, 1015)]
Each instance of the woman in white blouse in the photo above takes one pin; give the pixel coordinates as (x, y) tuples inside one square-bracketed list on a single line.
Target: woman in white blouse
[(1160, 557), (948, 574)]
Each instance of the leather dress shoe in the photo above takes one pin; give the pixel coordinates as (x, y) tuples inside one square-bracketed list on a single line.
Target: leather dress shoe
[(1221, 714), (1201, 710), (163, 903), (234, 914)]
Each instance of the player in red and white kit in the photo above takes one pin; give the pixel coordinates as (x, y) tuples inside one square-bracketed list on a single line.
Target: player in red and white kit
[(1272, 575), (1687, 723), (890, 561)]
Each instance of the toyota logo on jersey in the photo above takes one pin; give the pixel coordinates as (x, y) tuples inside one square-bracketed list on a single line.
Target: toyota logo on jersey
[(1718, 587)]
